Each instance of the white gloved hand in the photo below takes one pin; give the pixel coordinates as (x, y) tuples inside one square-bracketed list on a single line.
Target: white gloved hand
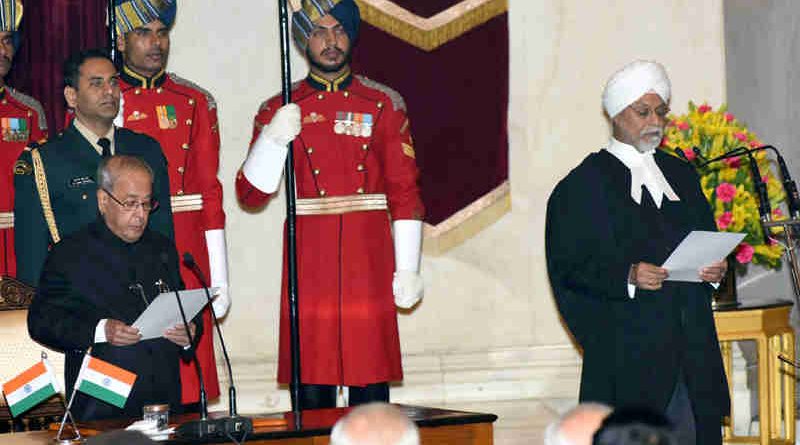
[(284, 126), (407, 288), (218, 266), (264, 164), (221, 302), (407, 284)]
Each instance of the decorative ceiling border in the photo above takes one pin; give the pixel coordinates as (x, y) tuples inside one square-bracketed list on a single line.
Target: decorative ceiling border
[(468, 221), (433, 32)]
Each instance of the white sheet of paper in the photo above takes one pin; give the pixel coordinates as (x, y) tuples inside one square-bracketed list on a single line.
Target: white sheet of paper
[(163, 312), (699, 249)]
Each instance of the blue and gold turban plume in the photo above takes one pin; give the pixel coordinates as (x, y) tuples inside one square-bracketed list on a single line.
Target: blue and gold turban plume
[(344, 11), (10, 15), (132, 14)]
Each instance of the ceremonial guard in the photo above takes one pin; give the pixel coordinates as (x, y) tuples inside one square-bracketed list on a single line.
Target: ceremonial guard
[(183, 118), (22, 121), (56, 184), (359, 212)]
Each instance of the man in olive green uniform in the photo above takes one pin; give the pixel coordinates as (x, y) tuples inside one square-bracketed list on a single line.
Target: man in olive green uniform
[(55, 184)]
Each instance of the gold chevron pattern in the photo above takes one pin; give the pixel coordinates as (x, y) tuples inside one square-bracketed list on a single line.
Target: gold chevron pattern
[(432, 32)]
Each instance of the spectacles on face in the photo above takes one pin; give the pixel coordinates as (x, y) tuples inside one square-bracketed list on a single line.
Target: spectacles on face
[(130, 205), (643, 111)]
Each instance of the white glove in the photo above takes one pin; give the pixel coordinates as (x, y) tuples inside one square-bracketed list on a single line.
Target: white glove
[(264, 164), (218, 266), (407, 284)]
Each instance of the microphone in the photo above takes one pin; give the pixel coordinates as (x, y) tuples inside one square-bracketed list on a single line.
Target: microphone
[(205, 427), (681, 154), (234, 423), (789, 186)]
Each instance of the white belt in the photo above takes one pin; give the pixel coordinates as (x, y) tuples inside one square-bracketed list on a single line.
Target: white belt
[(337, 205), (6, 220), (186, 203)]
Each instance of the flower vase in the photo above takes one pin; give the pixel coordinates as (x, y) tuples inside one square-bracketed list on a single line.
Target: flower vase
[(725, 295)]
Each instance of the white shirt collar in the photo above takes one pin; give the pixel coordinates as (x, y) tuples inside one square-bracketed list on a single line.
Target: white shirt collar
[(644, 172)]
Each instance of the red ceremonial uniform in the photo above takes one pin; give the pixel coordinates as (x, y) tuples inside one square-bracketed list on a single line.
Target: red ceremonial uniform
[(23, 121), (354, 149), (182, 117)]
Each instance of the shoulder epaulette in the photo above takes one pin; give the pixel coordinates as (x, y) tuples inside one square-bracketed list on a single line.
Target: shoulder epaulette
[(212, 104), (397, 100), (265, 105), (30, 102)]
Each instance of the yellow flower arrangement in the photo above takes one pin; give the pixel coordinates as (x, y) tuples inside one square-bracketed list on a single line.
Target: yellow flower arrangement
[(727, 184)]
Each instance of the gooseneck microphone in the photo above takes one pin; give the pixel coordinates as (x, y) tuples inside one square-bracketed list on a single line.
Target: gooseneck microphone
[(234, 423), (196, 429)]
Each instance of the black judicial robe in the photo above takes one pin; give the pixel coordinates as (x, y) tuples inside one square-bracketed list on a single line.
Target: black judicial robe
[(86, 278), (633, 349)]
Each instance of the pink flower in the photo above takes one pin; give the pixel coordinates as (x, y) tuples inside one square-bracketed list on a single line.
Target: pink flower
[(740, 136), (703, 109), (744, 253), (729, 117), (683, 126), (664, 141), (764, 179), (776, 212), (733, 162), (755, 144), (724, 220), (689, 153), (726, 191)]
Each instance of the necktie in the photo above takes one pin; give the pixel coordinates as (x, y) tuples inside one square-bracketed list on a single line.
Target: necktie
[(106, 145)]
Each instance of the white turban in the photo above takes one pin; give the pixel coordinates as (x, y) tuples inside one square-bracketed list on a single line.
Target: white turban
[(633, 81)]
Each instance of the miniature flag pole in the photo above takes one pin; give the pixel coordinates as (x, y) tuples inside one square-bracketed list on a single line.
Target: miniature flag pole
[(67, 412)]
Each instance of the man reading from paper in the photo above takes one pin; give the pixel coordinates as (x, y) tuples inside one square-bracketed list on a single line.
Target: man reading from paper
[(610, 223), (98, 280)]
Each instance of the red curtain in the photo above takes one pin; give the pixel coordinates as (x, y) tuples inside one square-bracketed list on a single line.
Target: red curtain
[(51, 30)]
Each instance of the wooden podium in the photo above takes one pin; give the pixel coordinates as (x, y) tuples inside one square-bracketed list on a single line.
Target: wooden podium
[(767, 323), (436, 426)]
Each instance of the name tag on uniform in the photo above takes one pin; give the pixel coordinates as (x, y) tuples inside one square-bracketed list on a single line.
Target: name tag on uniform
[(15, 129), (353, 124), (80, 181)]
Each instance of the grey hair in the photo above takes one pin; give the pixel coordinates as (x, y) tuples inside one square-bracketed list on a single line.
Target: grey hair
[(339, 435), (109, 169)]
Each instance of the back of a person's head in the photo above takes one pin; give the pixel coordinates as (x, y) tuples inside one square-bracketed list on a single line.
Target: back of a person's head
[(577, 426), (375, 424), (635, 426)]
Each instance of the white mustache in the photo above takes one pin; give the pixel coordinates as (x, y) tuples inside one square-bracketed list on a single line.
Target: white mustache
[(651, 131)]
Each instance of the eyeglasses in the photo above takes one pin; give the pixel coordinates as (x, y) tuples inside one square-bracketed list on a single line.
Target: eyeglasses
[(643, 111), (130, 205)]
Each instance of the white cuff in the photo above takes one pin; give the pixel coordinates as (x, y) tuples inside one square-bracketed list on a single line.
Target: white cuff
[(631, 291), (100, 331), (264, 164), (217, 257), (119, 120), (407, 244)]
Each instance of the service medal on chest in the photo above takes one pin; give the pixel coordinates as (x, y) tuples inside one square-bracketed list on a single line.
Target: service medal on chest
[(15, 129), (167, 117)]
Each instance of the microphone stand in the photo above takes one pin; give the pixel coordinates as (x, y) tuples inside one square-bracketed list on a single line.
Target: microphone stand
[(234, 423), (790, 225)]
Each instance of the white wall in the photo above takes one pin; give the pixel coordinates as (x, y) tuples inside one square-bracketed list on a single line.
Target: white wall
[(488, 328)]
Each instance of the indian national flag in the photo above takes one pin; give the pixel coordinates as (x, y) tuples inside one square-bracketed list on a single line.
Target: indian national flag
[(105, 381), (35, 385)]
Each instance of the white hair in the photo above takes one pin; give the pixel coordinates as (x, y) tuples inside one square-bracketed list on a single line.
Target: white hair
[(381, 419)]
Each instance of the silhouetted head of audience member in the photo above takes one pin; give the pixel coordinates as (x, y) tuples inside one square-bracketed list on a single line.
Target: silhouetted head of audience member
[(577, 426), (375, 424), (635, 426)]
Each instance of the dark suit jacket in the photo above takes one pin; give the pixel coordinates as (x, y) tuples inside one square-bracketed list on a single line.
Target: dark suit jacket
[(635, 348), (70, 163), (87, 278)]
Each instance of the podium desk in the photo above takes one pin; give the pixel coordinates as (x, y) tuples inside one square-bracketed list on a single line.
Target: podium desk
[(436, 426), (767, 323)]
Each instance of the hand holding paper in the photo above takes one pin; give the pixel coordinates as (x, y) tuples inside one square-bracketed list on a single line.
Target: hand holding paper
[(699, 250)]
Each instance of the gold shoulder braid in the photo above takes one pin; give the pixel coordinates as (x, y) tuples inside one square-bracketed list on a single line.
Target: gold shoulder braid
[(44, 194)]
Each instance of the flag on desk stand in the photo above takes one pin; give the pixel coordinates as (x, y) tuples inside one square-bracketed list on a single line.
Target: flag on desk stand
[(105, 381), (33, 386)]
